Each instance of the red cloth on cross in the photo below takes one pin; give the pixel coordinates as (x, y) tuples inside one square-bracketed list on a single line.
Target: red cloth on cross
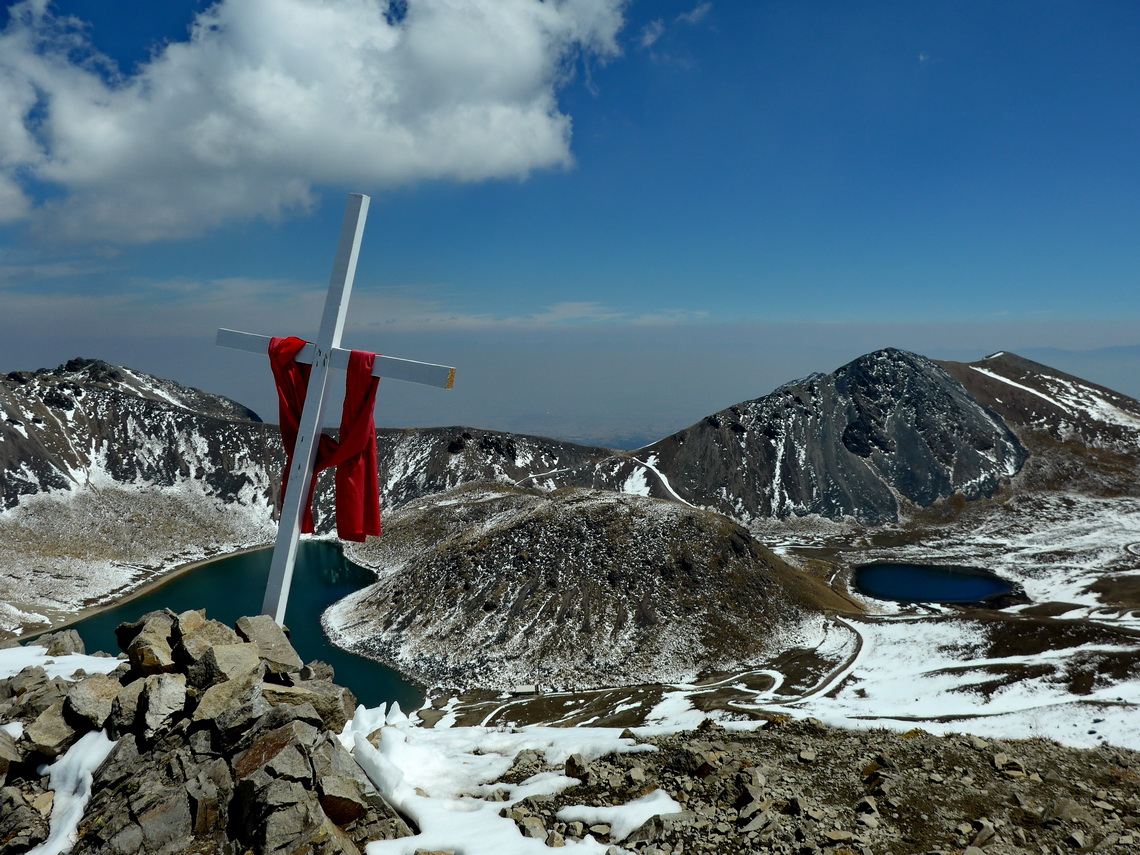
[(353, 455)]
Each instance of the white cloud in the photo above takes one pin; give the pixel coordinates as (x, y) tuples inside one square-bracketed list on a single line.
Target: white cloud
[(651, 32), (695, 15), (269, 98)]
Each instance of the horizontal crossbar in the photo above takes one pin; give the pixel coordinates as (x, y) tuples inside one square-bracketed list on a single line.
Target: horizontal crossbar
[(388, 367)]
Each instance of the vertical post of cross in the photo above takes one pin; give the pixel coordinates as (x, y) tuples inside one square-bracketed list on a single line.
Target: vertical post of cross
[(309, 430)]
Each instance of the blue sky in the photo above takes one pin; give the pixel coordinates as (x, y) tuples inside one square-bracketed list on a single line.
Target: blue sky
[(613, 217)]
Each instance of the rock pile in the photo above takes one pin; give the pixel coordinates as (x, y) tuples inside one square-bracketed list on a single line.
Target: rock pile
[(225, 743), (801, 787)]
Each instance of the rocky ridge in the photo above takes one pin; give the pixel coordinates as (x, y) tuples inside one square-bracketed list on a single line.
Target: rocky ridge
[(225, 742), (802, 787), (888, 431), (214, 757), (89, 422), (1080, 436)]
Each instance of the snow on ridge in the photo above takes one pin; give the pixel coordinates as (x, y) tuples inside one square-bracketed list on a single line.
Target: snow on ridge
[(1084, 399), (1024, 388), (1078, 400)]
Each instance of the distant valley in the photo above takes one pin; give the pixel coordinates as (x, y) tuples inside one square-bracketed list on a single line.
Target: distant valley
[(727, 547)]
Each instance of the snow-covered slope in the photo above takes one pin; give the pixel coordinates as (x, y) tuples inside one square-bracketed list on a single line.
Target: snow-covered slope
[(88, 423), (109, 477), (88, 445), (490, 587), (1080, 436)]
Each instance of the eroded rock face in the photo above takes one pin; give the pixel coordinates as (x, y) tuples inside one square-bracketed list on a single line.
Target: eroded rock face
[(890, 425), (220, 748)]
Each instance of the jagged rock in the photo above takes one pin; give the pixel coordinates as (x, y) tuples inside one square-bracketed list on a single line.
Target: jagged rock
[(274, 646), (209, 792), (1068, 811), (317, 670), (60, 643), (335, 704), (232, 705), (264, 746), (761, 820), (653, 830), (221, 769), (9, 754), (985, 832), (50, 734), (194, 635), (125, 708), (138, 806), (532, 826), (224, 662), (577, 767), (31, 692), (344, 789), (163, 815), (163, 697), (21, 825), (148, 649), (92, 698)]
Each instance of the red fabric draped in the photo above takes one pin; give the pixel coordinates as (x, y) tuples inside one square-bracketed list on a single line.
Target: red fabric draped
[(353, 455)]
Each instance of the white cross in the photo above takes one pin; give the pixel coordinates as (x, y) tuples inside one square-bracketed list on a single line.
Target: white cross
[(324, 355)]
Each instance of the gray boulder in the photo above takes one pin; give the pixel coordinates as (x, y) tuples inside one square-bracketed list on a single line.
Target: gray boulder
[(60, 643), (125, 708), (274, 646), (193, 635), (148, 644), (335, 704), (91, 699), (9, 754), (50, 734), (230, 661), (163, 697)]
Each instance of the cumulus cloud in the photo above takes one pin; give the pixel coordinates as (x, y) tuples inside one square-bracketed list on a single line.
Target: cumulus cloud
[(269, 99)]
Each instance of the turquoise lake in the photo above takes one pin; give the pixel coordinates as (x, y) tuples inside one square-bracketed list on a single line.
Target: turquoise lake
[(233, 586)]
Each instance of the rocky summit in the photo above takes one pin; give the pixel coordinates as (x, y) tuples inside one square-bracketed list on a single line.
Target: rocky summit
[(801, 787), (887, 431), (219, 740), (224, 741)]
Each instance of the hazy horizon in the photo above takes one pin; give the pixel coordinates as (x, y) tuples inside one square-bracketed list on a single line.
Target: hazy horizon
[(613, 217)]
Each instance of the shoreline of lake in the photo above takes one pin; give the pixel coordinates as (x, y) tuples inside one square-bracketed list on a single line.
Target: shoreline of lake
[(161, 578)]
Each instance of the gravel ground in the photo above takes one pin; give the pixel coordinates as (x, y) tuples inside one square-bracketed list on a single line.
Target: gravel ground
[(802, 787)]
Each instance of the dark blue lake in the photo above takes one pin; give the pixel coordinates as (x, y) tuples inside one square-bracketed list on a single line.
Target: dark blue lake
[(231, 587), (929, 583)]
